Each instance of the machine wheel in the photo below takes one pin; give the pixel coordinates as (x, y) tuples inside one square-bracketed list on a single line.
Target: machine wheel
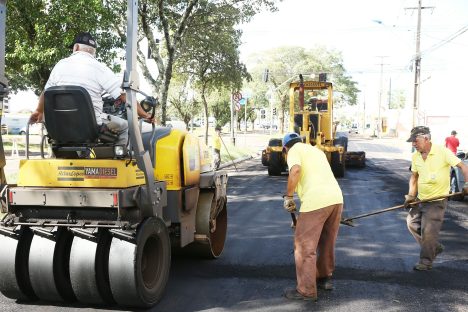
[(274, 166), (264, 158), (89, 269), (14, 274), (138, 273), (337, 166), (454, 187), (49, 266), (212, 233)]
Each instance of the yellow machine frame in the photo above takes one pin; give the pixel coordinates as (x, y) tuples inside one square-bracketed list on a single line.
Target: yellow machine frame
[(324, 135)]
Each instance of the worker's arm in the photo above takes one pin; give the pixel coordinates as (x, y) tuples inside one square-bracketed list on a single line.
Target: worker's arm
[(37, 115), (413, 184), (140, 111), (464, 169), (413, 189), (293, 179)]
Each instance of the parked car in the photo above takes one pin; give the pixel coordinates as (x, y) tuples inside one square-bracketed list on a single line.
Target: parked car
[(354, 129), (457, 180), (14, 123)]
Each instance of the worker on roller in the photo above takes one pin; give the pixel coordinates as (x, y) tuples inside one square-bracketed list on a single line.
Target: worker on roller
[(311, 177), (430, 168), (83, 69)]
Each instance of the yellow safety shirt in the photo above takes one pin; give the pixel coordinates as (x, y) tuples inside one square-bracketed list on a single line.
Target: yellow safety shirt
[(216, 142), (317, 187), (434, 172)]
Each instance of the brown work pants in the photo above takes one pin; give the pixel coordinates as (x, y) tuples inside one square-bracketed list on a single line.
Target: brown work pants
[(314, 246), (424, 223)]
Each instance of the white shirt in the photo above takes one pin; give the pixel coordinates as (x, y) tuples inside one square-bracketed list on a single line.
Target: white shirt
[(82, 69)]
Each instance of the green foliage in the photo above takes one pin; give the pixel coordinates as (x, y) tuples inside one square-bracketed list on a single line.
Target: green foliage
[(183, 103), (40, 31), (188, 26), (286, 63), (251, 114), (398, 99), (220, 106)]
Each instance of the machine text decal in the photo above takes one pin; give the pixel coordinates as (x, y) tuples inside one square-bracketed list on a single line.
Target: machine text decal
[(82, 173)]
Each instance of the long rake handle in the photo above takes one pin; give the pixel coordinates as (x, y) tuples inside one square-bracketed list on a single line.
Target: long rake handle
[(401, 206), (232, 159)]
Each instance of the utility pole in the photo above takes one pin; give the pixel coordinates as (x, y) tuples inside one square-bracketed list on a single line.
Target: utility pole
[(379, 121), (417, 64), (3, 84)]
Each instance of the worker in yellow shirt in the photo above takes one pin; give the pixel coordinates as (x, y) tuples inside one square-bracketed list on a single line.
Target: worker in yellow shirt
[(430, 168), (217, 147), (311, 177)]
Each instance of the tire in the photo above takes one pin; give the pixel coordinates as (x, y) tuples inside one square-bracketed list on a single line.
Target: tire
[(138, 273), (89, 269), (341, 141), (14, 273), (48, 266), (337, 166), (275, 165), (264, 158), (454, 187)]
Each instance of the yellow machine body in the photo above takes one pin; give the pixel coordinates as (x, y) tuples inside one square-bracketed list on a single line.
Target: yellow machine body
[(180, 158), (313, 123), (325, 116), (92, 173)]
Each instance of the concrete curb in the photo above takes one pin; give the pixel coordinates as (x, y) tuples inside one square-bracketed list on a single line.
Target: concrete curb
[(235, 161)]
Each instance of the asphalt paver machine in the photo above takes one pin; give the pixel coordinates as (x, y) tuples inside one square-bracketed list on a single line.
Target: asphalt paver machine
[(96, 223)]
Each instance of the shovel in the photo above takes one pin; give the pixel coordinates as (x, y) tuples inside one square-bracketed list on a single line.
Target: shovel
[(349, 221)]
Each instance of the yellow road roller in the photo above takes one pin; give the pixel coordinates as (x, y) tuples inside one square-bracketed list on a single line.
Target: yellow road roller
[(97, 222)]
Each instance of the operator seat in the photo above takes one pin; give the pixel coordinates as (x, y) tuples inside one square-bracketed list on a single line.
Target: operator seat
[(71, 124)]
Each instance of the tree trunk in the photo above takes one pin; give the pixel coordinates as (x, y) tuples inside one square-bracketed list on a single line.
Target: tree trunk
[(205, 107)]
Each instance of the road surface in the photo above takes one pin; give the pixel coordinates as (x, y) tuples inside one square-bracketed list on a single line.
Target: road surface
[(374, 260)]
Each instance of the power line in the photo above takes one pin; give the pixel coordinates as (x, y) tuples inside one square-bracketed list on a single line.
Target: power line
[(458, 33)]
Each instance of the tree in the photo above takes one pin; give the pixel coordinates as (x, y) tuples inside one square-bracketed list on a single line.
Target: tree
[(241, 115), (220, 106), (178, 21), (184, 102), (286, 63), (40, 31), (213, 59), (398, 99)]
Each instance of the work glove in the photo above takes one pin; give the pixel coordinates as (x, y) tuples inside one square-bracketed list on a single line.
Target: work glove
[(289, 203), (408, 200)]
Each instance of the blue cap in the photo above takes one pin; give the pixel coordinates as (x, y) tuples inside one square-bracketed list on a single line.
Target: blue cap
[(290, 138)]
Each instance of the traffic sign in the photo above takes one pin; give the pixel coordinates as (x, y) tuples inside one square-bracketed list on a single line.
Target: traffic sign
[(243, 101), (236, 96), (237, 106)]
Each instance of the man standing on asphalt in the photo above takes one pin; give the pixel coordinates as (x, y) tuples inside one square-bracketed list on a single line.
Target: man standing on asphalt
[(318, 222), (452, 142), (430, 177), (217, 147)]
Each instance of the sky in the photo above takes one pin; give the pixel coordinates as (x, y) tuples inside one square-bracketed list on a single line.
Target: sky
[(374, 32)]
